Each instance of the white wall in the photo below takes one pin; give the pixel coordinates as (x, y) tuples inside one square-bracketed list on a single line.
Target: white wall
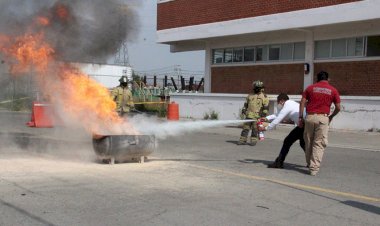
[(228, 106), (358, 113), (107, 75)]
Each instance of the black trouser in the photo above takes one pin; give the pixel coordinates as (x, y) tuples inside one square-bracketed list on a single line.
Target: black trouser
[(294, 135)]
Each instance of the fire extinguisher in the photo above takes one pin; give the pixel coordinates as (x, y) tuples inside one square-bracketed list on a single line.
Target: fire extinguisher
[(260, 128)]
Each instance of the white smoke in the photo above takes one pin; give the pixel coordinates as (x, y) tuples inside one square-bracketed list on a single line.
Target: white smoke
[(164, 129)]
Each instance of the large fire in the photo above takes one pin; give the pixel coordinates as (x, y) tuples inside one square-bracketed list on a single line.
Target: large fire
[(79, 97)]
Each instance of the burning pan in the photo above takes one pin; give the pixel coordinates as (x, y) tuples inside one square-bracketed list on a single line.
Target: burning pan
[(122, 148)]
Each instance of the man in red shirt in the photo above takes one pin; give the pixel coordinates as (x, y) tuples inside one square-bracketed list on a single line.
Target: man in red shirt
[(318, 99)]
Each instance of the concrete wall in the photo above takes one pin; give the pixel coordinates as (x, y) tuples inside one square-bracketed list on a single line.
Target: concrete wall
[(358, 113)]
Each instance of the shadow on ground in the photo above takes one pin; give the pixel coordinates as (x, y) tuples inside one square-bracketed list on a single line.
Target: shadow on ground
[(189, 160), (359, 205), (287, 166), (363, 206), (232, 141)]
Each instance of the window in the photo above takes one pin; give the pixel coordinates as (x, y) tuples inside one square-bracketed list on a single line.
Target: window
[(286, 52), (355, 46), (339, 48), (228, 55), (373, 46), (218, 56), (322, 49), (299, 51), (238, 55), (274, 52), (249, 54), (262, 53)]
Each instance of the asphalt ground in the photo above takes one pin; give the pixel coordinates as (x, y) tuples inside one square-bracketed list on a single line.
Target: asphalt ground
[(50, 176)]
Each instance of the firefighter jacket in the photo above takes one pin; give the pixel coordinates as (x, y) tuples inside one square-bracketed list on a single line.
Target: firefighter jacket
[(123, 98), (256, 106)]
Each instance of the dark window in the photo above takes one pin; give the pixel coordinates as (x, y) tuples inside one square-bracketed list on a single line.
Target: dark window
[(238, 55), (262, 53), (218, 56), (249, 54), (373, 46), (274, 52), (228, 55)]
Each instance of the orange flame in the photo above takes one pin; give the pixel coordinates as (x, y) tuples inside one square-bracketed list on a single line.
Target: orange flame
[(29, 51), (80, 97), (44, 21), (84, 97), (62, 11)]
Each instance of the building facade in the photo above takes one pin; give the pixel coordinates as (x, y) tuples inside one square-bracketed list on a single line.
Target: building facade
[(283, 43)]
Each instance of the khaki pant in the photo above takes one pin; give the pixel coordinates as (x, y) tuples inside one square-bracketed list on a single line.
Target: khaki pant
[(245, 132), (315, 135)]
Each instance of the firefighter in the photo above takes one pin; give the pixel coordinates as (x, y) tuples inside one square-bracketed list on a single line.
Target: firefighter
[(123, 97), (255, 107)]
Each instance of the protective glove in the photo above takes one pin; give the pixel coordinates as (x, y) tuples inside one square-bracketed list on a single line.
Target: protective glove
[(243, 111), (263, 119)]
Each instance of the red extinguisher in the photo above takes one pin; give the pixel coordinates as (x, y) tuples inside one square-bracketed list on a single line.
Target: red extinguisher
[(260, 128)]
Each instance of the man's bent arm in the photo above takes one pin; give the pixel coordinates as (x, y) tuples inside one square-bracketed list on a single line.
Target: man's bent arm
[(335, 112), (302, 107)]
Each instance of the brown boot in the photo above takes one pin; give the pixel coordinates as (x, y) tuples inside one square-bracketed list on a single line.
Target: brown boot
[(253, 141), (278, 164), (242, 141)]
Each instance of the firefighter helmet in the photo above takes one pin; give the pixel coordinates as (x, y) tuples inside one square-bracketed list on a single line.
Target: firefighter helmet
[(258, 84), (123, 79)]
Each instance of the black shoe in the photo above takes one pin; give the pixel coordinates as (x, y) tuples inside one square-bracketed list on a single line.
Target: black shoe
[(278, 164)]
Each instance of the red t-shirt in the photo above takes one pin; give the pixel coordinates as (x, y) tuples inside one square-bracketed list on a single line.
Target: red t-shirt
[(319, 97)]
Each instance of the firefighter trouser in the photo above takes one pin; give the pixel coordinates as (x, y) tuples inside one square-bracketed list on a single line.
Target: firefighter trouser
[(245, 132), (315, 135), (122, 113)]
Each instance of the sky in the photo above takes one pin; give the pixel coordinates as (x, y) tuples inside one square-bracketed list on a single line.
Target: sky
[(145, 54)]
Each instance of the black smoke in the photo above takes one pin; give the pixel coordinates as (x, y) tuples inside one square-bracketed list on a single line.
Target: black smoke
[(79, 30)]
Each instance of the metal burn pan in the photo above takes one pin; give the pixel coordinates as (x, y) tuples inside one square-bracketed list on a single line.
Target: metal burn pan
[(123, 148)]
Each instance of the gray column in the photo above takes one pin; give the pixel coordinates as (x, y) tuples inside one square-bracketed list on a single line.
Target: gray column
[(309, 57), (207, 82)]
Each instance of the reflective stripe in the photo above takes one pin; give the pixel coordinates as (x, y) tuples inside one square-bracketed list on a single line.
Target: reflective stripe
[(39, 105)]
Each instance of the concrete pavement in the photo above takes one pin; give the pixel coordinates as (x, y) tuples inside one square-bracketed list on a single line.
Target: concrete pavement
[(201, 178)]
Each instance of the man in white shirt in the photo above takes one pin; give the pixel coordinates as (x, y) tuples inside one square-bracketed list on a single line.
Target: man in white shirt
[(287, 109)]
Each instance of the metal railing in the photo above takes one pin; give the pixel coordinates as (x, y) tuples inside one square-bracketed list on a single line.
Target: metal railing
[(17, 92)]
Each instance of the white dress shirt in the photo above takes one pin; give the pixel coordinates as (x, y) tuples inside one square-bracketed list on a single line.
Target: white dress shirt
[(289, 111)]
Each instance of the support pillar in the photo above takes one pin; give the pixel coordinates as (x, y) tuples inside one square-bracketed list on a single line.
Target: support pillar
[(309, 58), (207, 78)]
